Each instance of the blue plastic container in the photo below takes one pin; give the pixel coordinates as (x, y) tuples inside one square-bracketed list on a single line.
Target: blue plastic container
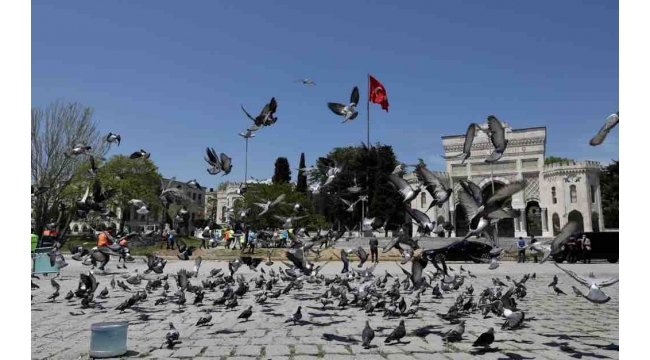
[(108, 339), (41, 262)]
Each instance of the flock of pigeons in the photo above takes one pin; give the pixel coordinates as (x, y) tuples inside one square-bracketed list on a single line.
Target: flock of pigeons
[(357, 288)]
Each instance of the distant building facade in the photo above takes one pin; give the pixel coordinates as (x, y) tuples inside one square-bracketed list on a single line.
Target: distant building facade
[(554, 194)]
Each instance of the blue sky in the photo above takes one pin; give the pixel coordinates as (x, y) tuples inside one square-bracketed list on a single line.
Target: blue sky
[(170, 76)]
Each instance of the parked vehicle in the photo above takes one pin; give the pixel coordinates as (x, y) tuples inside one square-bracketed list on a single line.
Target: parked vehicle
[(463, 251), (604, 246)]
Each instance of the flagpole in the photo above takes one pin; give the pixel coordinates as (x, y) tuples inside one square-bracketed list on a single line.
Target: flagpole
[(368, 110)]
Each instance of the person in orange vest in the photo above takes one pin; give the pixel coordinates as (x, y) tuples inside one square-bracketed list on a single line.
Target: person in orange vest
[(49, 236), (105, 244)]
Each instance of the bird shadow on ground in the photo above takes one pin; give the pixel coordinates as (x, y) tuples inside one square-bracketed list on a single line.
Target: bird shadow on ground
[(611, 347), (568, 337), (131, 353), (343, 339), (515, 356), (483, 351), (36, 309), (276, 314), (227, 331), (397, 343), (515, 341), (425, 330), (324, 324), (319, 315), (575, 353)]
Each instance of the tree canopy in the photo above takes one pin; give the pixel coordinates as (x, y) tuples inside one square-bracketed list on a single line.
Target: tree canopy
[(301, 183), (282, 173), (54, 131), (609, 194), (370, 168), (261, 193), (557, 160)]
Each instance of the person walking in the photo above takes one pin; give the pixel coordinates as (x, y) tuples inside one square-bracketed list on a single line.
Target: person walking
[(570, 249), (586, 246), (204, 238), (170, 240), (578, 249), (521, 244), (374, 250)]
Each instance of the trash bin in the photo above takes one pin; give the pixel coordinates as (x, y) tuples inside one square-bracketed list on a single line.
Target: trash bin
[(108, 339)]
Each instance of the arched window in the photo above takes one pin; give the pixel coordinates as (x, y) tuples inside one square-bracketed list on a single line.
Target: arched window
[(593, 194), (574, 194), (554, 195), (556, 224), (423, 199)]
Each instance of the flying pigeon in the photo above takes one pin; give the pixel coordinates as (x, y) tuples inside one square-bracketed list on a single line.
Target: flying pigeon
[(467, 145), (194, 184), (425, 225), (433, 184), (348, 112), (595, 295), (498, 138), (307, 82), (404, 188), (38, 190), (265, 118), (226, 164), (610, 123), (142, 154), (112, 138), (270, 204), (78, 149), (556, 246)]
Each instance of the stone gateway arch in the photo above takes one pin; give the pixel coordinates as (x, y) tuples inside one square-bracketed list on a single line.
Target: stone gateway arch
[(552, 192)]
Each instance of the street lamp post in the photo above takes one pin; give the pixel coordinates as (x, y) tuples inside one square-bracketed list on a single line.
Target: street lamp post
[(363, 200)]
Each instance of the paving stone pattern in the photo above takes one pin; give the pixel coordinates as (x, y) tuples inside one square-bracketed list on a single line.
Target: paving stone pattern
[(586, 328)]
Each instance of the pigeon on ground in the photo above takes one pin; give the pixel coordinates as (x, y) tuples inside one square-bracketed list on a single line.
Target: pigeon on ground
[(142, 154), (486, 339), (114, 138), (348, 112), (610, 123), (558, 291), (204, 320), (397, 334), (367, 335), (297, 316), (172, 336), (455, 334), (246, 313)]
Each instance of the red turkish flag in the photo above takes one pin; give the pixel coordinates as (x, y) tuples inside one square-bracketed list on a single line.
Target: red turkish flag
[(378, 93)]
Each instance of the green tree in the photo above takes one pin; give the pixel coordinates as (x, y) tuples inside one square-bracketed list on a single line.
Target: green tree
[(133, 179), (54, 131), (370, 167), (302, 178), (261, 193), (557, 160), (609, 194), (282, 173)]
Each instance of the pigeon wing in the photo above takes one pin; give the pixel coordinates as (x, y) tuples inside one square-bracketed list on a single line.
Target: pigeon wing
[(354, 96), (469, 204), (278, 200), (247, 114), (497, 132), (575, 276), (505, 192), (226, 162), (399, 183), (469, 138), (611, 121), (569, 229), (336, 108)]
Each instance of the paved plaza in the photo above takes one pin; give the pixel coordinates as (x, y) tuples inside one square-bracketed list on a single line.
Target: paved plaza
[(588, 329)]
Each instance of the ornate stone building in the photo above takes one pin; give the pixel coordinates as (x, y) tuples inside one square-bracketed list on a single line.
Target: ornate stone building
[(554, 194)]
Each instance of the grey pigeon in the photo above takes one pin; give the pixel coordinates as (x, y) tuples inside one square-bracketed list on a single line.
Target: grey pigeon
[(367, 335), (595, 294), (348, 112), (404, 188), (114, 138), (397, 334), (610, 123), (498, 138), (142, 154), (467, 145)]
